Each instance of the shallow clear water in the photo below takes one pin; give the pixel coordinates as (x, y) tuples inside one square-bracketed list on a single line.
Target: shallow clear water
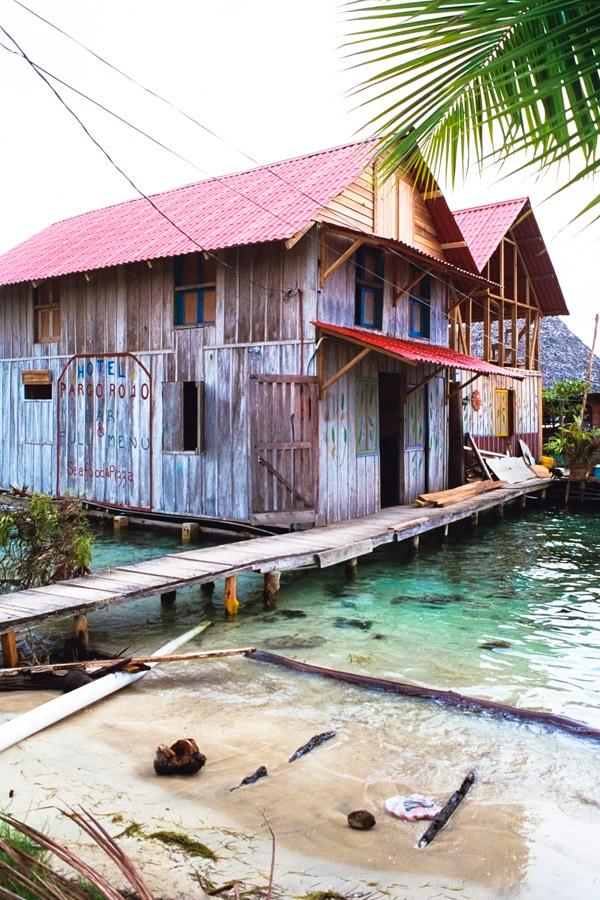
[(530, 582)]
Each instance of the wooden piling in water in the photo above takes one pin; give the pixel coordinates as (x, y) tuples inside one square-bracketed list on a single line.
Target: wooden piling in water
[(189, 532), (120, 522), (232, 604), (80, 626), (9, 649), (168, 598), (351, 567), (271, 587)]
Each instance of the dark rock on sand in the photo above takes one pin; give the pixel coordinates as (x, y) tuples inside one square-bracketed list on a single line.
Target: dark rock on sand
[(361, 819), (292, 613), (74, 680), (495, 645), (181, 758)]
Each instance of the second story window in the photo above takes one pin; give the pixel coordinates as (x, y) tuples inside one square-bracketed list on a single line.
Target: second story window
[(46, 312), (420, 306), (195, 291), (368, 310)]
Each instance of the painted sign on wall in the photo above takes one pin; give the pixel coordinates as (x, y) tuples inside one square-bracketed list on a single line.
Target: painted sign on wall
[(104, 427)]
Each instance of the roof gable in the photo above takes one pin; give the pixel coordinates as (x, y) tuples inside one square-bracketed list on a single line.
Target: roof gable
[(484, 227)]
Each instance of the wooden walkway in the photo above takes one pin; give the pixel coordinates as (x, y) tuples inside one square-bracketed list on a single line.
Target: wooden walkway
[(322, 547)]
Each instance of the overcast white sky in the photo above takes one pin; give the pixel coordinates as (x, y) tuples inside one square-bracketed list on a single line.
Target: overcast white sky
[(267, 75)]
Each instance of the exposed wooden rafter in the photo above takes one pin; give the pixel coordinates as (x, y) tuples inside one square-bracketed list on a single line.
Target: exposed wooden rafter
[(453, 245)]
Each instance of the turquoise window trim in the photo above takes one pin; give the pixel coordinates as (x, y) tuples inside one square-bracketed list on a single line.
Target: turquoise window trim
[(179, 307), (377, 324), (425, 307)]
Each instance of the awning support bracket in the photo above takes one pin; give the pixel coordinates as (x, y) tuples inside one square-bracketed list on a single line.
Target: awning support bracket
[(458, 388), (325, 273), (425, 381), (341, 372)]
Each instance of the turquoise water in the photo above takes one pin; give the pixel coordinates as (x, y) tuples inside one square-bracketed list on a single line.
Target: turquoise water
[(510, 611)]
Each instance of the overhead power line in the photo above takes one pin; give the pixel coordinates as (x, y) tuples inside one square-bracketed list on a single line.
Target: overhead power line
[(42, 72)]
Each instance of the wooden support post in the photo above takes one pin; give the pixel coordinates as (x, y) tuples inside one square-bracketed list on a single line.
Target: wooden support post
[(271, 588), (415, 543), (446, 531), (500, 510), (80, 625), (543, 494), (523, 501), (168, 598), (351, 567), (232, 604), (474, 518), (120, 522), (189, 532), (10, 657), (207, 589)]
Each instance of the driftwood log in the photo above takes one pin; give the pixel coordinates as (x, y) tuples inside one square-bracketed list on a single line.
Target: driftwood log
[(447, 810), (445, 698)]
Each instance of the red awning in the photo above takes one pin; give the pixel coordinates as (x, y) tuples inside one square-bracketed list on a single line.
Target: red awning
[(415, 351)]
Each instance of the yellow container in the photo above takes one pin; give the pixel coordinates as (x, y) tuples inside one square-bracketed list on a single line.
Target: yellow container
[(547, 461)]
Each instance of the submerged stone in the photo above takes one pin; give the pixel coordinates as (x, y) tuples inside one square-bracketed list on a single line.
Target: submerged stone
[(495, 645), (293, 642), (292, 613), (342, 622)]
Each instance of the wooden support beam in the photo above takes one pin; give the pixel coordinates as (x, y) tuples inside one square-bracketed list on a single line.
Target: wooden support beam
[(426, 380), (168, 598), (10, 656), (207, 589), (453, 245), (232, 604), (325, 273), (487, 325), (271, 587), (341, 372), (80, 626), (120, 522), (431, 195), (415, 543)]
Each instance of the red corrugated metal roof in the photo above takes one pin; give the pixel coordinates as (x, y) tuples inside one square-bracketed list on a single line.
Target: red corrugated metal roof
[(415, 351), (484, 227), (216, 213)]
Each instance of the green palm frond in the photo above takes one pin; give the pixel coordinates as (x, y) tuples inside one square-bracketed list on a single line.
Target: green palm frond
[(462, 81)]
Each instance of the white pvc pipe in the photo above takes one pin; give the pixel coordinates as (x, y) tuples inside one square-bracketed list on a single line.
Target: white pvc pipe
[(46, 714)]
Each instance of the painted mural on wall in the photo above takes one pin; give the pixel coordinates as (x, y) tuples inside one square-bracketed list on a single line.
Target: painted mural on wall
[(104, 420)]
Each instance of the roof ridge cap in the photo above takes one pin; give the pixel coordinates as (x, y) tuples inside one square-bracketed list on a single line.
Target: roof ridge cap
[(490, 205)]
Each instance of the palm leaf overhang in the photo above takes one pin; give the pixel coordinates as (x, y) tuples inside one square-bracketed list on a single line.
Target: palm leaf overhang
[(463, 81)]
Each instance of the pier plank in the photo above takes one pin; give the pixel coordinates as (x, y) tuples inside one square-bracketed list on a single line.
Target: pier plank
[(323, 546)]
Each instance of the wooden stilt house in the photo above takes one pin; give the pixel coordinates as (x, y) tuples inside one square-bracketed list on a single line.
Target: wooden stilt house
[(288, 344)]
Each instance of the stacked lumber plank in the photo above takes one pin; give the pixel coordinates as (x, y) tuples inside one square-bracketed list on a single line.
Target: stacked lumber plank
[(457, 495)]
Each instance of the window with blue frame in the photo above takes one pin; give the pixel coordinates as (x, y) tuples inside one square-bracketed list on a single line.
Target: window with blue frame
[(419, 324), (195, 290), (369, 288)]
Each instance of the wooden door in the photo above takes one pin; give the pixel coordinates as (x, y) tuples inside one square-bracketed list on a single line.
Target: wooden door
[(391, 437), (284, 445)]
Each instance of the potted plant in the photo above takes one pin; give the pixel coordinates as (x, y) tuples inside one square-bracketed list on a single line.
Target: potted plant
[(577, 445)]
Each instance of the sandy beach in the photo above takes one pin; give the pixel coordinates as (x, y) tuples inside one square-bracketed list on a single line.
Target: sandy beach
[(529, 828)]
